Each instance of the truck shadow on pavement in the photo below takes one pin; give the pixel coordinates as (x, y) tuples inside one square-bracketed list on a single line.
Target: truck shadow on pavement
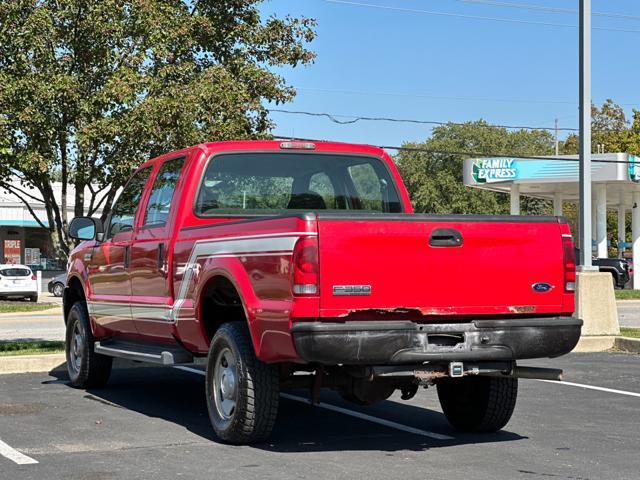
[(178, 397)]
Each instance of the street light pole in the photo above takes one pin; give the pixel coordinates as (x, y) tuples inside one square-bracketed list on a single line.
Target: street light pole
[(585, 137)]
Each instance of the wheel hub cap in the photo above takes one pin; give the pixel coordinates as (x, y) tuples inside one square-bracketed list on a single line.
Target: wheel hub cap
[(228, 384), (75, 348), (225, 384)]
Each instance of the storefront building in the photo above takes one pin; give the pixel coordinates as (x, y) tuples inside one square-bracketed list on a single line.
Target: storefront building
[(22, 239)]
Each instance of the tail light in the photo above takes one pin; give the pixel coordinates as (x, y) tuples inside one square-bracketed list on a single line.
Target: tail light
[(33, 276), (306, 276), (569, 255)]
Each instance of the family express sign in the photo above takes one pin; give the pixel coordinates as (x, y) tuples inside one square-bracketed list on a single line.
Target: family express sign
[(488, 170)]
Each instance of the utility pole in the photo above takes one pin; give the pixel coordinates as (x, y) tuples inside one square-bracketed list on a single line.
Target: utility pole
[(585, 136), (557, 144)]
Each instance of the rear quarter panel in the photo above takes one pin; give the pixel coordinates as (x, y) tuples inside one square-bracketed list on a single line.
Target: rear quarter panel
[(255, 256)]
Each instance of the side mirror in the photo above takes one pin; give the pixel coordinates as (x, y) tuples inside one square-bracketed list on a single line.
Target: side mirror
[(85, 228)]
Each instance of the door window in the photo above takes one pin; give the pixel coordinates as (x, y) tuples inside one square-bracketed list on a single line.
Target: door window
[(162, 193), (124, 211)]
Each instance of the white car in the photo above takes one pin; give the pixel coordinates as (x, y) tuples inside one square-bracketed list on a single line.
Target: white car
[(18, 281)]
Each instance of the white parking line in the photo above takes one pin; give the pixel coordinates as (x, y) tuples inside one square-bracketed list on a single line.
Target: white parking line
[(593, 387), (14, 455), (189, 369), (344, 411)]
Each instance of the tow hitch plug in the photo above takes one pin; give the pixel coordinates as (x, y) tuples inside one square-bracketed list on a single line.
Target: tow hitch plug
[(456, 369)]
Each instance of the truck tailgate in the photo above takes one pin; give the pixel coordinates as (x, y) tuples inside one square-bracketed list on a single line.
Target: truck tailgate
[(446, 266)]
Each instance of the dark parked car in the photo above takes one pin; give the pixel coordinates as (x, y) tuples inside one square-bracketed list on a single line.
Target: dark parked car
[(619, 269), (56, 285)]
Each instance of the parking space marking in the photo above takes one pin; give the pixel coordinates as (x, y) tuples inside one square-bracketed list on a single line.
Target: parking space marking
[(593, 387), (189, 369), (14, 455), (345, 411), (369, 418)]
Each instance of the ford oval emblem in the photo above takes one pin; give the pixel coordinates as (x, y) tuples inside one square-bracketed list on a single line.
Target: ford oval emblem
[(541, 287)]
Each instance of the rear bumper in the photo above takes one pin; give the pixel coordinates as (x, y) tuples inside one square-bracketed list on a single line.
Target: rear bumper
[(405, 342), (17, 293)]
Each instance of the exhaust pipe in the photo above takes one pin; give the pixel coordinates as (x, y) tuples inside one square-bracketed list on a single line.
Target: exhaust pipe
[(536, 373)]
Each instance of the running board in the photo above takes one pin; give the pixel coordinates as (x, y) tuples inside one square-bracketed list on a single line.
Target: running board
[(160, 354)]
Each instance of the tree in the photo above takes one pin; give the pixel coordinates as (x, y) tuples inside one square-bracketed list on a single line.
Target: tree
[(434, 180), (609, 127), (91, 88)]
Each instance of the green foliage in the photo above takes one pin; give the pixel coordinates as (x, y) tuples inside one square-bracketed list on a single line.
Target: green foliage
[(434, 180), (609, 127), (91, 88)]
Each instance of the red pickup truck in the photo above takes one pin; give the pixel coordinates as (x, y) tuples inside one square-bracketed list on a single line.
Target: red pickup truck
[(291, 264)]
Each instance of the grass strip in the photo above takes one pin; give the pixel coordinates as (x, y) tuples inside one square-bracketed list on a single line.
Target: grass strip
[(627, 294), (25, 307), (630, 332), (10, 348)]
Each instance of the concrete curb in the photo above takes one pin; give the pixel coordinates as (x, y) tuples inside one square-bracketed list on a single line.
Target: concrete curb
[(56, 310), (32, 363), (53, 362), (594, 343), (631, 345)]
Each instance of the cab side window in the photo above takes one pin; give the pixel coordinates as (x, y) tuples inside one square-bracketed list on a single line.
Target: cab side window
[(124, 211), (162, 193)]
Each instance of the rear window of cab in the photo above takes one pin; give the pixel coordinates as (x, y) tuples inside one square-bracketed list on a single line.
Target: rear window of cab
[(258, 182)]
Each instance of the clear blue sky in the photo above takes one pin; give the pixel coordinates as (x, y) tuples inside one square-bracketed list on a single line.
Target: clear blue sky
[(382, 62)]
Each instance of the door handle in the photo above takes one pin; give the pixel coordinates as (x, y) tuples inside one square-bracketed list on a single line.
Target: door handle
[(160, 256), (445, 237), (127, 249)]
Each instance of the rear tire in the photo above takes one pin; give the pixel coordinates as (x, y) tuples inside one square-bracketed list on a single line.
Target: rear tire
[(242, 392), (33, 298), (86, 368), (478, 404)]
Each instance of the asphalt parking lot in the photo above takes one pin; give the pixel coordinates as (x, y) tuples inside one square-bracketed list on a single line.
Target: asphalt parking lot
[(152, 423)]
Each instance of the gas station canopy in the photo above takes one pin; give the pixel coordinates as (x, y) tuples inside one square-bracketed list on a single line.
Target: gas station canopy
[(616, 185)]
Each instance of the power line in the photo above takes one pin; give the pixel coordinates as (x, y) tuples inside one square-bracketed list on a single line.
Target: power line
[(445, 97), (463, 153), (355, 118), (473, 17), (544, 8)]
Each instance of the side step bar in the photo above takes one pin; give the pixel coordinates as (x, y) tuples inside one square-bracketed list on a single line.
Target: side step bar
[(159, 354)]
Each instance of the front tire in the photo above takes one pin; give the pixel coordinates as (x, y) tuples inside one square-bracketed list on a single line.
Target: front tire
[(58, 290), (478, 404), (242, 392), (86, 368)]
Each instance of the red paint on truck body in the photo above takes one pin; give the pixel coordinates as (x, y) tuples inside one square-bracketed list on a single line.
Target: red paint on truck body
[(490, 275)]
